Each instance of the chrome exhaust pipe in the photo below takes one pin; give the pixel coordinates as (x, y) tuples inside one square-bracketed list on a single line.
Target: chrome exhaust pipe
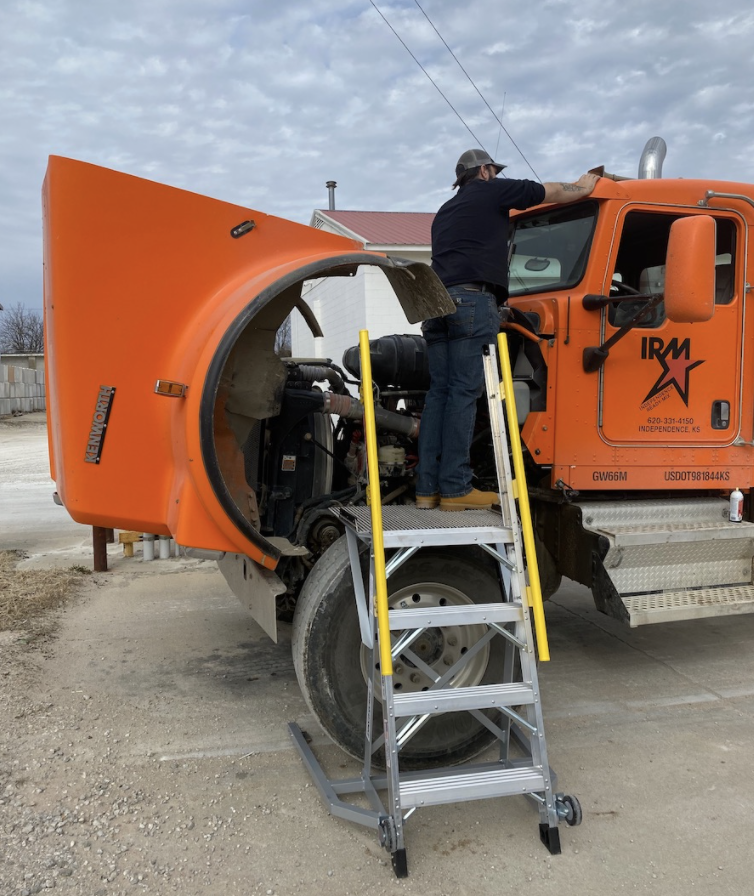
[(650, 164)]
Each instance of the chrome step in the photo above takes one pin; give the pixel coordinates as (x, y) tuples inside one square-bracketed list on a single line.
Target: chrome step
[(673, 545), (461, 614), (674, 606), (489, 696), (470, 784), (680, 533)]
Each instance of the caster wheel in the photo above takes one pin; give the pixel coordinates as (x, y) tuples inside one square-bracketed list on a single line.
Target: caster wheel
[(573, 807)]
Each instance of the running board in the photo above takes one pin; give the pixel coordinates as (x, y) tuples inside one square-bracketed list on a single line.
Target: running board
[(669, 560), (674, 606)]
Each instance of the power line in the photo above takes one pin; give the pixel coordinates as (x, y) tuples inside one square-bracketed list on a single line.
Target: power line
[(478, 141), (471, 81), (502, 115)]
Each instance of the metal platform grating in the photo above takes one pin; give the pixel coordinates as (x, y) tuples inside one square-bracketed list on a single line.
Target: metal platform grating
[(405, 517), (405, 525)]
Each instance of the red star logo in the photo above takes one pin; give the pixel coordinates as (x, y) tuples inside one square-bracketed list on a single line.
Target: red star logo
[(676, 366)]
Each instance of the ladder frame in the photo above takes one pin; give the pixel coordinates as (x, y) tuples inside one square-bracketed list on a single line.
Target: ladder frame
[(507, 540)]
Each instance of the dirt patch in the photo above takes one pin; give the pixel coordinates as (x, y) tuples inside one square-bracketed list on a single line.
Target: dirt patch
[(27, 595)]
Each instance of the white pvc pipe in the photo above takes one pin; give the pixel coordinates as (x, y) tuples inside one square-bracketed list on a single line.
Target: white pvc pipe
[(164, 547), (147, 542)]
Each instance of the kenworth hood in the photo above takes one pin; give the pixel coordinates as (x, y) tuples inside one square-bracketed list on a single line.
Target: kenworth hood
[(161, 309)]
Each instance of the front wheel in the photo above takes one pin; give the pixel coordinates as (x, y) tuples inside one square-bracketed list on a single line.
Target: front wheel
[(332, 664)]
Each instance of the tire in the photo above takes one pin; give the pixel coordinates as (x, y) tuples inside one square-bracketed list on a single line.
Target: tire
[(331, 662)]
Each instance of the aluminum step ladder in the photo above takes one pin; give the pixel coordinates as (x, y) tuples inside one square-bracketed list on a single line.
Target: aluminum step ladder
[(510, 709)]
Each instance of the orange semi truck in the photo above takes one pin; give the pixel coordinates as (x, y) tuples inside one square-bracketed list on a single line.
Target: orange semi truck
[(170, 411)]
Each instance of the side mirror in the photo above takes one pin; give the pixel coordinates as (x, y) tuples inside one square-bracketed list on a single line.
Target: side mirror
[(690, 270)]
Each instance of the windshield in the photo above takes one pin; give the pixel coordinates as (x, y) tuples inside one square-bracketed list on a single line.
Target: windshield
[(549, 250)]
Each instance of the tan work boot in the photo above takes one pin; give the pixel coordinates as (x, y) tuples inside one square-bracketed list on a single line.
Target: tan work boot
[(427, 502), (475, 500)]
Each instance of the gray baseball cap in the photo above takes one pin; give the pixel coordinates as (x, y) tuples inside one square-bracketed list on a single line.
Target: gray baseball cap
[(474, 158)]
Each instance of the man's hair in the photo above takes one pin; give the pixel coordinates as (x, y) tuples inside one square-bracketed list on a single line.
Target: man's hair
[(467, 176)]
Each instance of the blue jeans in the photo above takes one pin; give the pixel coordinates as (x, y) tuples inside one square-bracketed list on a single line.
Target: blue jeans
[(454, 349)]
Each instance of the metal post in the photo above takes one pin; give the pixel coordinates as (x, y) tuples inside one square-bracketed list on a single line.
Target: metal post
[(99, 545)]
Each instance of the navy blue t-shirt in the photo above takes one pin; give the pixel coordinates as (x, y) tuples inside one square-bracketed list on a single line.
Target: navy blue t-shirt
[(470, 231)]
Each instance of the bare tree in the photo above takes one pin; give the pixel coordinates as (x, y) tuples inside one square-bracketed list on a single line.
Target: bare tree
[(283, 339), (21, 330)]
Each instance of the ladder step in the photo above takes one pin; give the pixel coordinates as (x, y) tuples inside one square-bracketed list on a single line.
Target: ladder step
[(457, 614), (470, 785), (488, 696)]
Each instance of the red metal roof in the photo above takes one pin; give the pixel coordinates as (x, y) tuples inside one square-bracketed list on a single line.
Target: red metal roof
[(386, 228)]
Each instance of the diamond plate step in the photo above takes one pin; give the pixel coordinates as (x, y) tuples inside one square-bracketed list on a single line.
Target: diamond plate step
[(674, 606), (488, 696), (634, 523), (470, 785), (463, 614), (673, 545), (680, 532)]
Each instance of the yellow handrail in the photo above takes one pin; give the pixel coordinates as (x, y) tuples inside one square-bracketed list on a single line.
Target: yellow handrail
[(375, 504), (535, 589)]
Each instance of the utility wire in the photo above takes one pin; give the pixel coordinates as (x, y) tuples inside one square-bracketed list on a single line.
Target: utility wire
[(478, 141), (502, 115), (471, 80)]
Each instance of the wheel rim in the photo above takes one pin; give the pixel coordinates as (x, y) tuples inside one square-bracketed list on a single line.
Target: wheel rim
[(439, 648)]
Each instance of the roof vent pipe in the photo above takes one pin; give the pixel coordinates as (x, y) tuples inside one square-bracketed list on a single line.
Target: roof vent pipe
[(650, 164), (331, 185)]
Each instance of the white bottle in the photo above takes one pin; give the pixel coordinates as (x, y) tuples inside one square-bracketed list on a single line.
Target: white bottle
[(736, 513)]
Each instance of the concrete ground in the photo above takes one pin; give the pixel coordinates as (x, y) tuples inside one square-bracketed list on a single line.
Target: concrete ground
[(160, 690)]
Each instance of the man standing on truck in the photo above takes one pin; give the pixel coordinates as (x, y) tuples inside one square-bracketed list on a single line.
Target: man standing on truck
[(470, 256)]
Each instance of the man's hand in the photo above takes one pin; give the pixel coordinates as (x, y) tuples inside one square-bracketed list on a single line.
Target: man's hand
[(588, 182)]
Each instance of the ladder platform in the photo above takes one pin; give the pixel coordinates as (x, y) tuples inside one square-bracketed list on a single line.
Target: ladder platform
[(470, 784), (673, 606), (439, 700), (406, 526), (462, 614)]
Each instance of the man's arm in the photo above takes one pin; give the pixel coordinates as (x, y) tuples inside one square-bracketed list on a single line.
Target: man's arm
[(562, 193)]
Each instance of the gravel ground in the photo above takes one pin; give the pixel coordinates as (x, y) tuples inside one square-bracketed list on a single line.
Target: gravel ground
[(83, 811)]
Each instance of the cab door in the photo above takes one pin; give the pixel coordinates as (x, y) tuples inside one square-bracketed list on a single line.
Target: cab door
[(669, 384)]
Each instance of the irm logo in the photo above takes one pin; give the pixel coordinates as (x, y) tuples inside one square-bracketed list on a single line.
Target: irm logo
[(676, 363)]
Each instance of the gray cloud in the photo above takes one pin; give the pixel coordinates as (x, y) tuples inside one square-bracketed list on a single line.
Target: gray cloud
[(260, 103)]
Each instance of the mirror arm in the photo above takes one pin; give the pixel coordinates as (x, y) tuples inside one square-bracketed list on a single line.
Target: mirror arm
[(596, 301), (594, 356)]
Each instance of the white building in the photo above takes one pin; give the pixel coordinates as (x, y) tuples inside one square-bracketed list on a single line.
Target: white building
[(345, 305)]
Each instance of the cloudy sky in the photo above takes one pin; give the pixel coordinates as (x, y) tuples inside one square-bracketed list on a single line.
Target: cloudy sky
[(260, 102)]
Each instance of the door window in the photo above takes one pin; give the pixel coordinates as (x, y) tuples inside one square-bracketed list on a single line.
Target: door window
[(640, 265)]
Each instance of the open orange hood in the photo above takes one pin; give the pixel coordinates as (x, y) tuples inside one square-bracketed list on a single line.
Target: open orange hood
[(161, 309)]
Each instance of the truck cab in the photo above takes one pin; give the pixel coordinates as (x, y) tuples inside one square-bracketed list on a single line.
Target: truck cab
[(640, 424)]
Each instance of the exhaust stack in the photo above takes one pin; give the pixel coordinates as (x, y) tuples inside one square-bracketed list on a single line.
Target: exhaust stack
[(650, 164), (331, 185)]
